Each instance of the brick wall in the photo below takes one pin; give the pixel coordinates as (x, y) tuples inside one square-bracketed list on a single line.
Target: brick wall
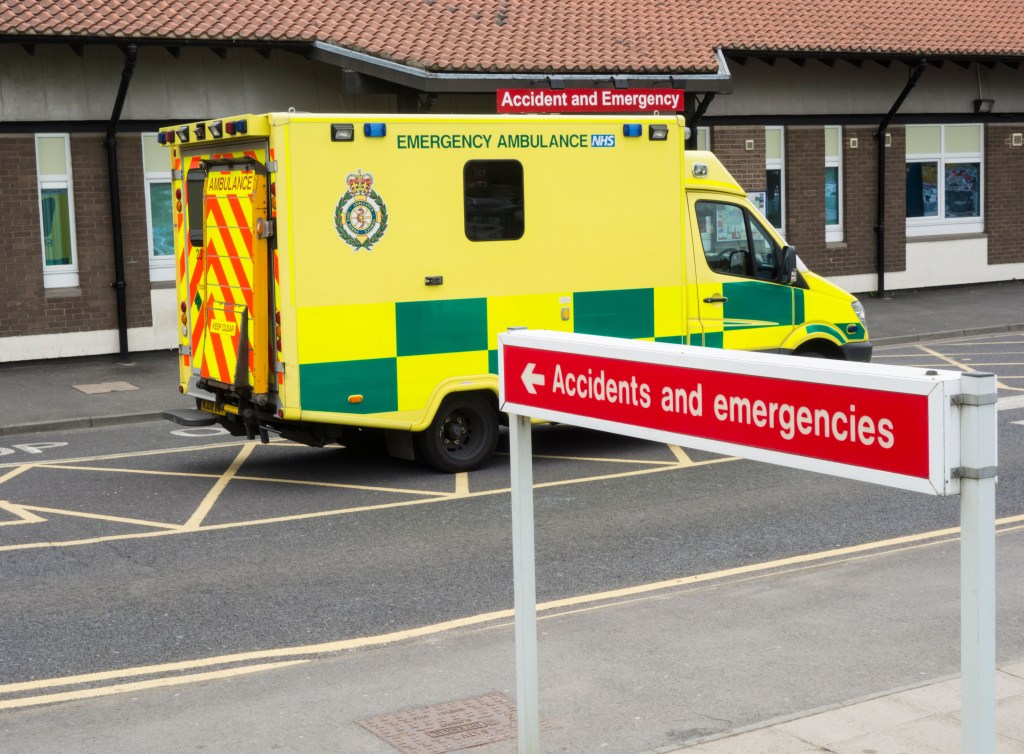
[(29, 308), (23, 258), (747, 167), (857, 254), (805, 194), (1004, 186)]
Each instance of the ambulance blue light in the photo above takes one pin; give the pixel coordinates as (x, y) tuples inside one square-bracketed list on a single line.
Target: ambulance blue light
[(161, 138), (375, 130), (241, 126), (632, 129)]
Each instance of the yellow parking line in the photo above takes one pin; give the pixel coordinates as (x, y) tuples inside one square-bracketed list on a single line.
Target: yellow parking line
[(24, 516), (607, 598), (244, 478), (99, 517), (135, 454), (20, 469), (218, 487), (681, 455), (124, 688)]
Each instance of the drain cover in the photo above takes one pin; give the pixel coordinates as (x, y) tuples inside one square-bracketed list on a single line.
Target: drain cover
[(104, 387), (448, 726)]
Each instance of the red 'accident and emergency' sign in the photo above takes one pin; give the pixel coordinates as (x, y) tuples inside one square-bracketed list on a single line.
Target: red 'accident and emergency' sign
[(890, 425)]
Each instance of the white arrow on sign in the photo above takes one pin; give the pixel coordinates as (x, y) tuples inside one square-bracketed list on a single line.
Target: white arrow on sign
[(531, 380)]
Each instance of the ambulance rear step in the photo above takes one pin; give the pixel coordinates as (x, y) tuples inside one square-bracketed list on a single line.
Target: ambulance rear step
[(190, 417)]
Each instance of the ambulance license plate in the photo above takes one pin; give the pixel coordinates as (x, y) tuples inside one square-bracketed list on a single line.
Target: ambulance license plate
[(212, 408)]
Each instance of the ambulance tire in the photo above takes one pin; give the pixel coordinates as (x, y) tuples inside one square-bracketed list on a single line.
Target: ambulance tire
[(463, 434)]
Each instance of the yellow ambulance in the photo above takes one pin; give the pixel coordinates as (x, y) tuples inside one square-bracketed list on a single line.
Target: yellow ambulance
[(340, 275)]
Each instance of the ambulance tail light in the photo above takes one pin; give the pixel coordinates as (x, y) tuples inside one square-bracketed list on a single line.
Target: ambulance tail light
[(177, 200), (632, 129), (277, 329), (375, 130)]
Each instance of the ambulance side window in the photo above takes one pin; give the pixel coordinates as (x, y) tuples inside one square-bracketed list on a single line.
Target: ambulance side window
[(735, 243), (493, 200), (194, 182)]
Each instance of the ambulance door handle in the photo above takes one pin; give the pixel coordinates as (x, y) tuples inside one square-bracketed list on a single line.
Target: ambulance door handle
[(715, 300), (434, 280)]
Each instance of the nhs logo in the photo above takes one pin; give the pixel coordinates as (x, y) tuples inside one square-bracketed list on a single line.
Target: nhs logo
[(602, 140)]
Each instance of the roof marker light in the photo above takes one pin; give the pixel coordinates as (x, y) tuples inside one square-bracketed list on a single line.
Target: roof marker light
[(658, 133), (632, 129), (342, 132), (168, 137), (216, 129), (375, 130)]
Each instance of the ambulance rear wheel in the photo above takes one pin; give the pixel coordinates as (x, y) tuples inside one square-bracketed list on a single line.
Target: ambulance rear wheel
[(462, 436)]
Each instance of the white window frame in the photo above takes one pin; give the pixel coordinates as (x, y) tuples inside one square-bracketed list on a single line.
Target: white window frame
[(779, 163), (834, 232), (941, 225), (65, 275), (161, 268)]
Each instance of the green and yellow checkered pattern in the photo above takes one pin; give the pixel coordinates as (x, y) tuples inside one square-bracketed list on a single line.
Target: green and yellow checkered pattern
[(396, 354)]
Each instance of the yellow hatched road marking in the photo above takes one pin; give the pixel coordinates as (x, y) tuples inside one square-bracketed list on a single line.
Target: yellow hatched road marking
[(101, 517), (218, 487), (433, 498)]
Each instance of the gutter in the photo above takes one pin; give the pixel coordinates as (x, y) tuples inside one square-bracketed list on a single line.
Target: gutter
[(115, 200), (880, 138), (467, 82)]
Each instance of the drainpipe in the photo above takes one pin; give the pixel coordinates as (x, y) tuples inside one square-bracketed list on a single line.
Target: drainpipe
[(115, 200), (693, 121), (880, 137)]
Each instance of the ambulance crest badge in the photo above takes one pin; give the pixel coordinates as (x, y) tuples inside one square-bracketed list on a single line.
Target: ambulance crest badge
[(361, 216)]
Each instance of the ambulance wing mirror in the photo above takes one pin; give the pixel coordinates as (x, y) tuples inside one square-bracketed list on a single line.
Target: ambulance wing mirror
[(787, 270)]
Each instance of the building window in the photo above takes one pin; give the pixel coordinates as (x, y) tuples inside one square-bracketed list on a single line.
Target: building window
[(159, 219), (56, 211), (493, 200), (833, 184), (703, 138), (944, 179), (774, 158)]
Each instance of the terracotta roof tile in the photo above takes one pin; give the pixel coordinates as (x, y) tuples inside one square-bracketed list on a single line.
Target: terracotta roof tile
[(550, 35)]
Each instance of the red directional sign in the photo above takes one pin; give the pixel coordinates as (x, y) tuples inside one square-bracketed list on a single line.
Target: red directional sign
[(882, 424)]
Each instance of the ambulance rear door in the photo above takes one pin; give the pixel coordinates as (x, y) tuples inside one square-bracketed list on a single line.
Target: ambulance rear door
[(228, 267)]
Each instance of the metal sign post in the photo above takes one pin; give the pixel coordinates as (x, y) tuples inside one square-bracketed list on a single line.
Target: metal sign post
[(978, 424), (527, 695), (927, 431)]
